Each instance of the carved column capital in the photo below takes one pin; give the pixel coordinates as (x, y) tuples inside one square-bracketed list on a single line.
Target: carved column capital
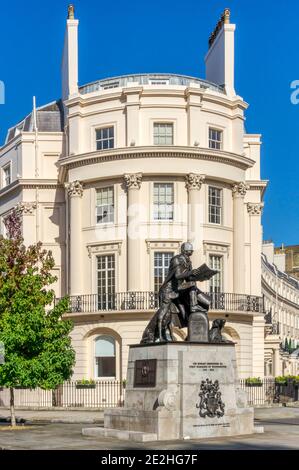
[(26, 208), (255, 208), (74, 188), (133, 181), (240, 189), (194, 181)]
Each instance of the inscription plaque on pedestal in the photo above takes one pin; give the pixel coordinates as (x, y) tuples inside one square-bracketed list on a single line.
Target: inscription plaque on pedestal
[(145, 373), (198, 328)]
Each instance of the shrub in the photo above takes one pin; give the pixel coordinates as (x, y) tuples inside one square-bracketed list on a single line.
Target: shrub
[(281, 380), (86, 382), (253, 381)]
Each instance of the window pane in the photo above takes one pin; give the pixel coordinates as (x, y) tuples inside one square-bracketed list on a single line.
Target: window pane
[(106, 282), (105, 138), (163, 201), (163, 134), (215, 139), (105, 346), (6, 176), (161, 266), (105, 356), (105, 205), (215, 205), (216, 283), (105, 367)]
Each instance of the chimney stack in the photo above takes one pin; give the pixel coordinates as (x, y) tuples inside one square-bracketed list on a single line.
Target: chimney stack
[(70, 56), (220, 59)]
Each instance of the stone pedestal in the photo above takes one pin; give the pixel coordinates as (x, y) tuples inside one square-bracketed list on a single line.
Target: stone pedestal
[(180, 390)]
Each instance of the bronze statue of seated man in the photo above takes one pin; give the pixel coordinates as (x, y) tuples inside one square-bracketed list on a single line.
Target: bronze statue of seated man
[(180, 294)]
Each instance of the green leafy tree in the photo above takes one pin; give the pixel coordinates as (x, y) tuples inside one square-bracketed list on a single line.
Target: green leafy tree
[(38, 351)]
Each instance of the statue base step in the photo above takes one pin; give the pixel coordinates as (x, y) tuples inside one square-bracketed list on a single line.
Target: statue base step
[(123, 435)]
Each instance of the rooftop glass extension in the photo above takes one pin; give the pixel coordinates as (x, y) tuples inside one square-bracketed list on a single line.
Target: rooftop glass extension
[(160, 79)]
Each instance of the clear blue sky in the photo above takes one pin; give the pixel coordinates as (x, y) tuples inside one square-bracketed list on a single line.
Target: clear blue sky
[(133, 36)]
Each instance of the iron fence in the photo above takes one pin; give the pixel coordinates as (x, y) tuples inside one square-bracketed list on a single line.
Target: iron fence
[(260, 393), (269, 391), (101, 394), (109, 394), (150, 301)]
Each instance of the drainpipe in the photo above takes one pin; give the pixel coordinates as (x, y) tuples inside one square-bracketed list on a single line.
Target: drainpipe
[(34, 115), (67, 235)]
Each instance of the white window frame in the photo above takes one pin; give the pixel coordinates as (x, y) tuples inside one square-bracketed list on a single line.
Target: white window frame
[(173, 201), (158, 81), (165, 123), (216, 129), (102, 188), (115, 274), (95, 358), (161, 245), (213, 248), (221, 257), (100, 128), (163, 252), (221, 206), (114, 247), (3, 169)]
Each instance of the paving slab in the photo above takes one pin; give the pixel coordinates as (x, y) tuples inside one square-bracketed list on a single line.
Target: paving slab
[(281, 432), (55, 416)]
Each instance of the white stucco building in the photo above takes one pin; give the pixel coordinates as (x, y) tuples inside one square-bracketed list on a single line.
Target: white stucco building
[(281, 302), (117, 174)]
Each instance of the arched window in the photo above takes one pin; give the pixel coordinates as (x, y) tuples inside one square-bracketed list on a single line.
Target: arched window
[(105, 361)]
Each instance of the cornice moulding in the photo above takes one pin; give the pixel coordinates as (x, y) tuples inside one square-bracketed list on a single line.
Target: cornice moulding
[(152, 244), (228, 158), (104, 246), (30, 184), (146, 90), (15, 142)]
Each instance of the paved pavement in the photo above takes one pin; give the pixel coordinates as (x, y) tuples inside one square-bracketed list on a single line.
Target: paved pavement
[(55, 416), (281, 432)]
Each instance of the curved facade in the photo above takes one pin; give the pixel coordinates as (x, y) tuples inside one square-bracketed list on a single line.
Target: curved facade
[(141, 164)]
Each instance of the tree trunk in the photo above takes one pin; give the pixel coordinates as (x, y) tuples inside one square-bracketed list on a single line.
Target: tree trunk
[(57, 396), (12, 407)]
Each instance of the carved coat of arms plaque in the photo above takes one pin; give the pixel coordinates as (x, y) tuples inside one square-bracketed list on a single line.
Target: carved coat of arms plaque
[(210, 404)]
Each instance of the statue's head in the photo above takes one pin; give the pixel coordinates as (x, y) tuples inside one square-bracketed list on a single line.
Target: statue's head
[(187, 249)]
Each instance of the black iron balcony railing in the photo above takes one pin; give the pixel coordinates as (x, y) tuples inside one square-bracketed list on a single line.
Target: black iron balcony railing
[(143, 301)]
